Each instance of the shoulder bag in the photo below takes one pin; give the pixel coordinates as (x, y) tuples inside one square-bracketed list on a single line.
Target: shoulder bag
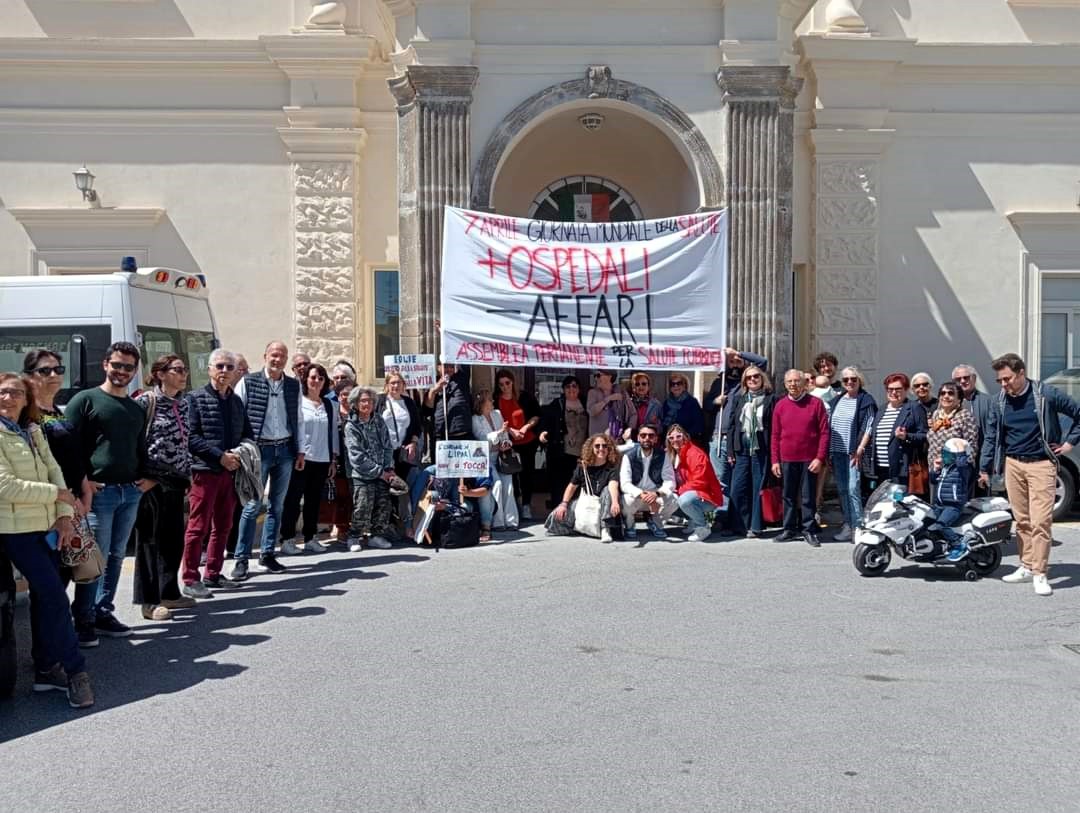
[(587, 509)]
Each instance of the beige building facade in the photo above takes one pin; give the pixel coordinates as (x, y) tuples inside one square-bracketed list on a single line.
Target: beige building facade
[(903, 175)]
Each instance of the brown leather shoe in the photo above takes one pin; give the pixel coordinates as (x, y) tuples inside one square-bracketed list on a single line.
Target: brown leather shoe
[(155, 612), (182, 603)]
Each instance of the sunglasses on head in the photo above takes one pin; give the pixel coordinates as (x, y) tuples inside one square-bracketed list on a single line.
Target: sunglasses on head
[(44, 372), (123, 365)]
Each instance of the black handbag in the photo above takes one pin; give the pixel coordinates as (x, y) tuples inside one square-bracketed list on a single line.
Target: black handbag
[(508, 462)]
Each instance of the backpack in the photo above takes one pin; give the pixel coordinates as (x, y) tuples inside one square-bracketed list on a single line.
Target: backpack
[(456, 528)]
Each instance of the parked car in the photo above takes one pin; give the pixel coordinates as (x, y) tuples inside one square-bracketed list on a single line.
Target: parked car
[(1068, 381)]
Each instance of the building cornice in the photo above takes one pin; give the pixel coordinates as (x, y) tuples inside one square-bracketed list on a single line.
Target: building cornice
[(530, 59), (319, 55), (911, 53), (87, 218), (137, 120), (145, 58)]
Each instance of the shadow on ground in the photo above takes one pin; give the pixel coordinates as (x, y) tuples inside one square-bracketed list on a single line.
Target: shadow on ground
[(171, 656)]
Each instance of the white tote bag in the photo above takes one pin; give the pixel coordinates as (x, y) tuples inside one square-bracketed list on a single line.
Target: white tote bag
[(587, 509)]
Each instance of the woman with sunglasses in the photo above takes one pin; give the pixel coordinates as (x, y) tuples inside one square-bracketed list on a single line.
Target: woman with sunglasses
[(851, 421), (747, 446), (684, 409), (46, 369), (159, 543), (648, 408), (951, 420), (922, 387), (597, 474), (698, 489), (899, 432), (36, 509)]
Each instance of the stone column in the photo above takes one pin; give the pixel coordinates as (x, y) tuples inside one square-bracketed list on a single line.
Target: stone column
[(433, 104), (758, 115)]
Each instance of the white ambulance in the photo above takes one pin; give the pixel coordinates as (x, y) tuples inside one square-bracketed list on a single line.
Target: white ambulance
[(160, 310)]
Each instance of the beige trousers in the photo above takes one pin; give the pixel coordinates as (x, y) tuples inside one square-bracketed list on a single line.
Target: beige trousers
[(631, 505), (1031, 488)]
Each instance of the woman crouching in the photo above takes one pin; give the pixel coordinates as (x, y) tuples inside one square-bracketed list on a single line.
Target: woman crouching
[(598, 476)]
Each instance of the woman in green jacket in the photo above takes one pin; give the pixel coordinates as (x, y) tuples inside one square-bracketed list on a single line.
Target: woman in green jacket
[(35, 516)]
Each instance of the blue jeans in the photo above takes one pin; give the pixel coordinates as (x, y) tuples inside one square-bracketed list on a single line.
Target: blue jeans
[(54, 633), (947, 516), (277, 466), (695, 507), (848, 487), (418, 485), (745, 491), (112, 516), (718, 458)]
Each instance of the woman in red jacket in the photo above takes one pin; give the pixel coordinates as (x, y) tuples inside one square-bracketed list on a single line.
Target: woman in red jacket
[(696, 485)]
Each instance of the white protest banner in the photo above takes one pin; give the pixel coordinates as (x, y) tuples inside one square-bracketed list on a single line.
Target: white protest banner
[(461, 458), (417, 370), (642, 294)]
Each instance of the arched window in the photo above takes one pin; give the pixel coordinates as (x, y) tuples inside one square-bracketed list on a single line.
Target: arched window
[(563, 200)]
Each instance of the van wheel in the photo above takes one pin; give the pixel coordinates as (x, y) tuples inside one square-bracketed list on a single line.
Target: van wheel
[(1064, 494)]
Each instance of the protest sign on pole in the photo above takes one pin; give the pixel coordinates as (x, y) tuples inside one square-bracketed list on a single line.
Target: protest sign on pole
[(461, 458), (418, 370), (643, 294)]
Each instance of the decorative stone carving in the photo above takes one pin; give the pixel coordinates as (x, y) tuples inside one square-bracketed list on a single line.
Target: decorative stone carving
[(847, 249), (327, 350), (843, 15), (847, 178), (847, 284), (327, 15), (847, 318), (323, 177), (329, 284), (599, 84), (324, 248), (323, 214), (847, 213), (326, 318), (859, 351)]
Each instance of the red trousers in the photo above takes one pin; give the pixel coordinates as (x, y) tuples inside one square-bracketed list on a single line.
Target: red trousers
[(211, 503)]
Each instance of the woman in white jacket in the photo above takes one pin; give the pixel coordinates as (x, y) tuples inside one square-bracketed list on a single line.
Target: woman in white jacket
[(499, 507)]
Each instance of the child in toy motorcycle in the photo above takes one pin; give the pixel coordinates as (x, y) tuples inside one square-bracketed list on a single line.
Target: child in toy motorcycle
[(951, 480)]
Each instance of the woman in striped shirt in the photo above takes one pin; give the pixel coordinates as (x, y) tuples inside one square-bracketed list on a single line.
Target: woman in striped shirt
[(899, 432), (851, 417)]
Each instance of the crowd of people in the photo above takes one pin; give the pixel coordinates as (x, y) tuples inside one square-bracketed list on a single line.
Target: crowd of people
[(192, 471)]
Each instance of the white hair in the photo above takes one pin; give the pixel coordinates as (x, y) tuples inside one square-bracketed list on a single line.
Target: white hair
[(221, 355)]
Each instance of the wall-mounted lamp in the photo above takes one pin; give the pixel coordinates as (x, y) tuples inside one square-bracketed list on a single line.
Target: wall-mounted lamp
[(84, 182)]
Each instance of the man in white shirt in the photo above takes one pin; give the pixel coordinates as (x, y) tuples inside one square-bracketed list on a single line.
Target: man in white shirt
[(647, 483)]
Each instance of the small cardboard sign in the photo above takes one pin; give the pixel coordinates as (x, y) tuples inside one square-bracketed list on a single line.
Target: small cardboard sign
[(418, 370), (461, 458)]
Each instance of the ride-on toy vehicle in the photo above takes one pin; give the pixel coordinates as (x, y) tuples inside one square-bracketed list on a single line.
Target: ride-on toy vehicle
[(895, 522)]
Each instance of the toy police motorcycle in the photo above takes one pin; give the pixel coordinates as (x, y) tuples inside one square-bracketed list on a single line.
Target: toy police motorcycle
[(904, 524)]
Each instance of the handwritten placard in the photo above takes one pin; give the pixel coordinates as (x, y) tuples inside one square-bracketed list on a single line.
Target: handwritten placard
[(643, 294), (461, 458), (417, 370)]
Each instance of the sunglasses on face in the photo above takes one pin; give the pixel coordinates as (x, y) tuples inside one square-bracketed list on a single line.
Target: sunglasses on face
[(225, 367), (854, 380), (962, 377), (753, 377), (922, 385), (123, 365), (179, 370), (894, 390), (674, 384), (45, 372), (601, 446), (946, 394), (647, 435)]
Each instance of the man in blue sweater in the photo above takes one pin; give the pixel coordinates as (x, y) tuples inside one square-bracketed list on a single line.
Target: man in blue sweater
[(1023, 440)]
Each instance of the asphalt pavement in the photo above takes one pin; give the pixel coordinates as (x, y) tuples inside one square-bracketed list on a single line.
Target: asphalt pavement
[(568, 675)]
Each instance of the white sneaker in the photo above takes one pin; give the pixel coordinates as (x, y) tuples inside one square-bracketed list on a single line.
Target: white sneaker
[(699, 534), (1042, 586), (379, 542), (355, 547), (1021, 574), (605, 534), (844, 534), (315, 546), (288, 548)]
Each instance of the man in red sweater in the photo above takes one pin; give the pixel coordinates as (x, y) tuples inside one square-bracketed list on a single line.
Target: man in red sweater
[(800, 443)]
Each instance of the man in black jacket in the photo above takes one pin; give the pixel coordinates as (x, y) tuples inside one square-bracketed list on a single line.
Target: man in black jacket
[(217, 423)]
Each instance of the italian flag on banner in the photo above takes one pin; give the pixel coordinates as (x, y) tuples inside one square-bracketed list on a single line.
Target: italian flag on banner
[(593, 208)]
